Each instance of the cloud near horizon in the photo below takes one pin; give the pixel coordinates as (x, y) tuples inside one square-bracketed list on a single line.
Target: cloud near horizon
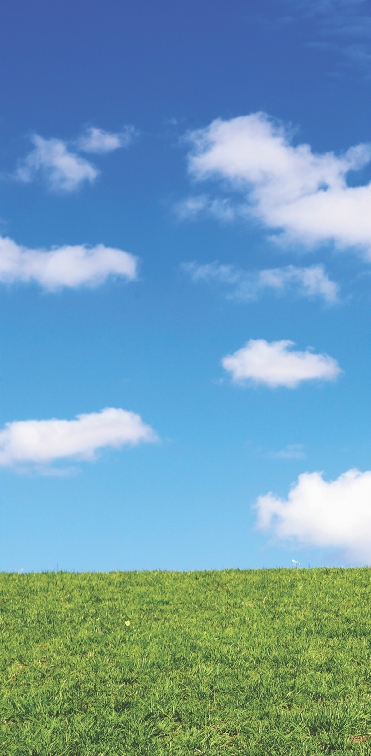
[(245, 285), (277, 364), (45, 441), (67, 266), (300, 195), (335, 514)]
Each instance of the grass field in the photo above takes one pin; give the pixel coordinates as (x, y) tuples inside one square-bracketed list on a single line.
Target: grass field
[(259, 663)]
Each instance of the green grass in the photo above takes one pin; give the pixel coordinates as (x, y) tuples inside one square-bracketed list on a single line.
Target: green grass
[(259, 663)]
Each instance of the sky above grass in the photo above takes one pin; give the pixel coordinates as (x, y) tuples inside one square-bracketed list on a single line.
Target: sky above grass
[(185, 284)]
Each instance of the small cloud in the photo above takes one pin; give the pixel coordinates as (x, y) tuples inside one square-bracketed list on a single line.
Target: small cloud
[(212, 272), (60, 167), (292, 451), (173, 121), (277, 364), (62, 170), (100, 141), (41, 442), (219, 208), (64, 267), (191, 207), (309, 282), (335, 514)]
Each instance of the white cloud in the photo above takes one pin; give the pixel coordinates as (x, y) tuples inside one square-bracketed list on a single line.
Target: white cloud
[(44, 441), (334, 514), (67, 266), (276, 364), (293, 190), (308, 282), (100, 141), (63, 170)]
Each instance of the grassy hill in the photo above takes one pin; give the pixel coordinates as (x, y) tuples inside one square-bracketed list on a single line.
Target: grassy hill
[(254, 663)]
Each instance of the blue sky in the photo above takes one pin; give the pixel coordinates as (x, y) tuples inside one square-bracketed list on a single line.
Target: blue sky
[(185, 284)]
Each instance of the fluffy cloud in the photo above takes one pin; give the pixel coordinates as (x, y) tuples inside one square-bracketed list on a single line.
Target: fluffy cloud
[(63, 170), (334, 514), (68, 266), (44, 441), (308, 282), (100, 141), (276, 364), (291, 189)]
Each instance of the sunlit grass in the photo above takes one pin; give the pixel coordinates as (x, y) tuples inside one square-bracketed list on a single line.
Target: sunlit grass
[(259, 663)]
